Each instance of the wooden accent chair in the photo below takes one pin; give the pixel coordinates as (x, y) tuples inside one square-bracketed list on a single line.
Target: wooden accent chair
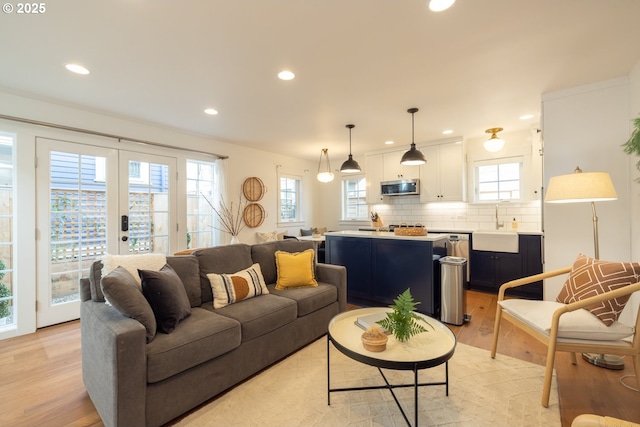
[(553, 324), (591, 420)]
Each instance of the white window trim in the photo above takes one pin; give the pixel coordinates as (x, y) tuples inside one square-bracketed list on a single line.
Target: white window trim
[(499, 161), (344, 196), (299, 220)]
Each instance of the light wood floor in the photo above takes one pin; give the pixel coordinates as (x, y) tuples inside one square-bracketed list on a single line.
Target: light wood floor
[(41, 379)]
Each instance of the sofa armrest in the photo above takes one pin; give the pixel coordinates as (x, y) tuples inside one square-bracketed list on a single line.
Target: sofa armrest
[(114, 364), (334, 275)]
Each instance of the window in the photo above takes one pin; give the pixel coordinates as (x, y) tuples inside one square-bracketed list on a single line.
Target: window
[(498, 180), (7, 303), (354, 198), (200, 215), (289, 201)]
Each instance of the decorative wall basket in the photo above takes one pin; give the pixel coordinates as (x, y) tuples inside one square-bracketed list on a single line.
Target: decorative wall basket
[(253, 189), (254, 215)]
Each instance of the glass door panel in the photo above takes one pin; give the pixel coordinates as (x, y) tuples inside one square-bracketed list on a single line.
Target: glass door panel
[(72, 202), (147, 203)]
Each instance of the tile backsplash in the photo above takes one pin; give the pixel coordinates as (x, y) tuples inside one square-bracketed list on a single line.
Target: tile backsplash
[(459, 215)]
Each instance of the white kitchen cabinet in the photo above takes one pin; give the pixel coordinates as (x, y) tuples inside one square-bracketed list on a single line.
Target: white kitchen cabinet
[(393, 170), (374, 174), (441, 178)]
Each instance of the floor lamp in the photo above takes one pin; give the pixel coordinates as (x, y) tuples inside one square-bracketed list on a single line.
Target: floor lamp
[(580, 187)]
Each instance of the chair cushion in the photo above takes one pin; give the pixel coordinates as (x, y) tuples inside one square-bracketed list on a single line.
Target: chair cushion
[(231, 288), (309, 299), (579, 324), (260, 315), (266, 237), (197, 339), (295, 270), (590, 277)]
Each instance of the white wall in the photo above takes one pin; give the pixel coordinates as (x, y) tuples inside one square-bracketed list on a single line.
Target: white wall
[(585, 126), (243, 162)]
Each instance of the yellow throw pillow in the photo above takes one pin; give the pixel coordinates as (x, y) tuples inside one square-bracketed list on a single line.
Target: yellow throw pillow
[(295, 269)]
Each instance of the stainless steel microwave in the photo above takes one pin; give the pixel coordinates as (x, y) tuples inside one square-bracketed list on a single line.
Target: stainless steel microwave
[(400, 188)]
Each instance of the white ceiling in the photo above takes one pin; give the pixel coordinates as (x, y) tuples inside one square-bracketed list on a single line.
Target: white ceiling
[(480, 64)]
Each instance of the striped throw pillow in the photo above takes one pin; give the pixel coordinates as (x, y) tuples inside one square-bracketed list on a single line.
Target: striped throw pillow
[(230, 288)]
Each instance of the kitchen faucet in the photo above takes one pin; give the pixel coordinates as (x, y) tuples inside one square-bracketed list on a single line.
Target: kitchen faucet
[(498, 224)]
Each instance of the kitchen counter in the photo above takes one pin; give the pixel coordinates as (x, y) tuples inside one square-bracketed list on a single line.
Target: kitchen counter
[(430, 237), (380, 266)]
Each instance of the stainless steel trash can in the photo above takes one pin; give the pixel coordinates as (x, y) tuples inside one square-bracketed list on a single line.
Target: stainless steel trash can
[(453, 298)]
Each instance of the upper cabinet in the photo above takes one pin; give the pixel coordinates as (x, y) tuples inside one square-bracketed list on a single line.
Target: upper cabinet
[(393, 170), (386, 167), (441, 178), (374, 173)]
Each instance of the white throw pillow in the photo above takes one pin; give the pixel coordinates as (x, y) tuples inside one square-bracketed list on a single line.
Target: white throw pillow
[(267, 237), (132, 263)]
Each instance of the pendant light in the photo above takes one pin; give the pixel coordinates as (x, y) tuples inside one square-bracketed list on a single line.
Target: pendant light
[(324, 173), (413, 157), (350, 165), (494, 143)]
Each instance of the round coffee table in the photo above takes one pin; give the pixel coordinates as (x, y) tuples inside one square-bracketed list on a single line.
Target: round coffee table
[(425, 350)]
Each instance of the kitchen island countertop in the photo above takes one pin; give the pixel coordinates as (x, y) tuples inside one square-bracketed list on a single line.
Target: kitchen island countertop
[(430, 237)]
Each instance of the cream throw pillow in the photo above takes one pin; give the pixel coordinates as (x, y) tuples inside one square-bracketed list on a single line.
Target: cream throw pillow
[(230, 288), (295, 269), (132, 263), (267, 237)]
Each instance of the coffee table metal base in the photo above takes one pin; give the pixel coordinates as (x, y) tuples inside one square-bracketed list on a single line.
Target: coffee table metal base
[(388, 385)]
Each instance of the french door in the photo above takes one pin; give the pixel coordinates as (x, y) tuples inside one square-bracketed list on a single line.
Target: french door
[(92, 201)]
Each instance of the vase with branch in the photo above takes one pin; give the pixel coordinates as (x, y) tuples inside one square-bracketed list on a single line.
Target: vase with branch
[(230, 218), (632, 146)]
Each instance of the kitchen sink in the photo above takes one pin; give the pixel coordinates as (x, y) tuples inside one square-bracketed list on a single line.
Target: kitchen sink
[(495, 241)]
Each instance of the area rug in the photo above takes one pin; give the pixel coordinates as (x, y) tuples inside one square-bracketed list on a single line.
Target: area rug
[(482, 392)]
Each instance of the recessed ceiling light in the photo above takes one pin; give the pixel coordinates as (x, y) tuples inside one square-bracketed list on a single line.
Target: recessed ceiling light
[(526, 117), (440, 5), (286, 75), (389, 142), (211, 111), (75, 68), (447, 132)]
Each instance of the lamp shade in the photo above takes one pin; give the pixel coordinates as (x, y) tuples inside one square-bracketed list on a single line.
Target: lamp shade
[(494, 143), (413, 157), (580, 187), (324, 171)]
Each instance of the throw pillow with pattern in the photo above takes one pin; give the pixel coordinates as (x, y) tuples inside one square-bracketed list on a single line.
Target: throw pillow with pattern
[(230, 288)]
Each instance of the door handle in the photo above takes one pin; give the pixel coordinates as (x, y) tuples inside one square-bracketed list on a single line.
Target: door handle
[(124, 223)]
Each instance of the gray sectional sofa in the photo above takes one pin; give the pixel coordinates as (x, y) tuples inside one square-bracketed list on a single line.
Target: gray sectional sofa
[(135, 383)]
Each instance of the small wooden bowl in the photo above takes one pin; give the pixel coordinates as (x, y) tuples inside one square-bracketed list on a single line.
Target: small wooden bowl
[(373, 339)]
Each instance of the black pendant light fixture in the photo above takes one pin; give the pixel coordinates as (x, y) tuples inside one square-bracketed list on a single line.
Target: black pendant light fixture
[(413, 157), (350, 166)]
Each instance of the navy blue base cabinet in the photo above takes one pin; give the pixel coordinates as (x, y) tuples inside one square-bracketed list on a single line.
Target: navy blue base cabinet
[(378, 269)]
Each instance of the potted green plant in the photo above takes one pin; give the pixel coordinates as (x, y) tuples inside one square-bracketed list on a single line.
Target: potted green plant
[(632, 146), (403, 322)]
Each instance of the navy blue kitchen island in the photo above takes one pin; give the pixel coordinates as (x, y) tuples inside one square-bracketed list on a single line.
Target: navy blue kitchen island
[(381, 265)]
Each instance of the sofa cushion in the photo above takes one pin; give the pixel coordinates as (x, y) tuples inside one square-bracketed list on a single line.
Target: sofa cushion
[(309, 299), (198, 338), (260, 315), (231, 288), (295, 270), (271, 236), (167, 297), (188, 268), (590, 277), (264, 254), (126, 297), (221, 259)]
